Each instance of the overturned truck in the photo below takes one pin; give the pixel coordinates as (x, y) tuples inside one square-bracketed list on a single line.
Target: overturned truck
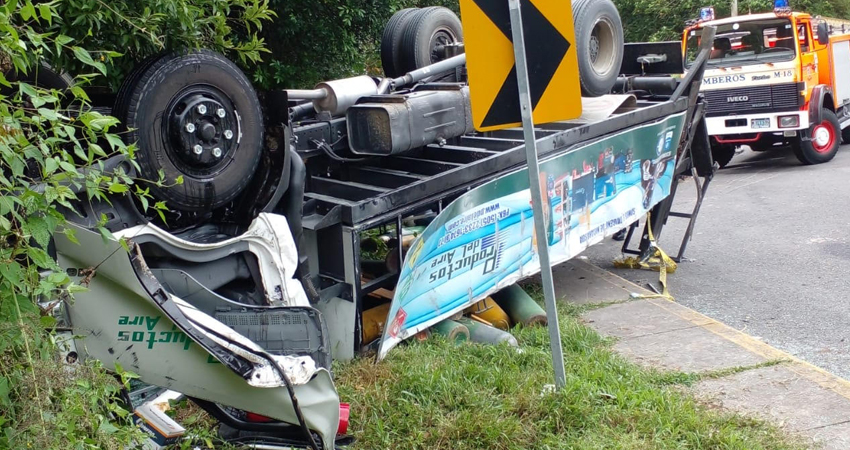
[(302, 209)]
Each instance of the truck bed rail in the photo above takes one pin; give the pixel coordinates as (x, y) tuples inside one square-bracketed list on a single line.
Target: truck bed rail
[(363, 193)]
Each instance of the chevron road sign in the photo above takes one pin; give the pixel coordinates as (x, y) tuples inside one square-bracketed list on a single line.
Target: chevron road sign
[(553, 76)]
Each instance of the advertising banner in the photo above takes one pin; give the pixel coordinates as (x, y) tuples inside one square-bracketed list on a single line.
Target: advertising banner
[(485, 240)]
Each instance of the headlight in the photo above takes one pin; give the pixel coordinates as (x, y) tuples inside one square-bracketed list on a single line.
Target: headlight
[(789, 121)]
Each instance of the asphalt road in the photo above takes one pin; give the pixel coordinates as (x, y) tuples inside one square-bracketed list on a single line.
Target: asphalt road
[(770, 254)]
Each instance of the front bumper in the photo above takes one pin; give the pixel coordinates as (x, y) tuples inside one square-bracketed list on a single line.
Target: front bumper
[(724, 125)]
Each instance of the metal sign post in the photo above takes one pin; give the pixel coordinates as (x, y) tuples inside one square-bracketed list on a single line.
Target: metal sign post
[(536, 194)]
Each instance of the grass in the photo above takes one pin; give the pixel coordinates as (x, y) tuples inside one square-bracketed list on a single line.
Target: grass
[(691, 378), (438, 395)]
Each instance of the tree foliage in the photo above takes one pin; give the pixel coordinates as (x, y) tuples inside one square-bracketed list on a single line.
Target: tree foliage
[(141, 28), (51, 154), (53, 148)]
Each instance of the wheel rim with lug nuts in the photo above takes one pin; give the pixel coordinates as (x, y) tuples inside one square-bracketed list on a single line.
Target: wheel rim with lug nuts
[(439, 39), (199, 126), (602, 47), (823, 137)]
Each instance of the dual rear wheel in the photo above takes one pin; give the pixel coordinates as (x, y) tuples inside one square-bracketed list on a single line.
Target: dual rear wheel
[(414, 38)]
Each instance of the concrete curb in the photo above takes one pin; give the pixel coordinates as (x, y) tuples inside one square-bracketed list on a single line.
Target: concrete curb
[(805, 369), (661, 333)]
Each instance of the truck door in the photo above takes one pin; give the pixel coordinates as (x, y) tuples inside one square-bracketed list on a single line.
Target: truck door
[(808, 58), (822, 56)]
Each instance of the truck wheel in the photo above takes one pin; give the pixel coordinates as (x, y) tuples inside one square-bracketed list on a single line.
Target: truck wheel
[(125, 91), (722, 154), (821, 143), (426, 31), (42, 76), (391, 41), (599, 45), (195, 115)]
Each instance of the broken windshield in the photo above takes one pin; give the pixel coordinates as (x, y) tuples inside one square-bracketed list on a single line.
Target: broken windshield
[(747, 42)]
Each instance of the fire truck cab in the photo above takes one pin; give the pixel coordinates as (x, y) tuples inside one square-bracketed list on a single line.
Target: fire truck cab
[(775, 79)]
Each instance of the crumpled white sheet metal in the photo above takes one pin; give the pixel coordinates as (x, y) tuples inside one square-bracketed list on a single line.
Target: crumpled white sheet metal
[(268, 238), (299, 369), (596, 109)]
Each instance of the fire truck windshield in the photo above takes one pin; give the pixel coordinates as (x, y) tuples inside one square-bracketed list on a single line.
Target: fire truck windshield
[(748, 42)]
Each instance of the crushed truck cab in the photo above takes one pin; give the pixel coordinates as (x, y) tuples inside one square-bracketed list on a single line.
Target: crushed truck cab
[(775, 79)]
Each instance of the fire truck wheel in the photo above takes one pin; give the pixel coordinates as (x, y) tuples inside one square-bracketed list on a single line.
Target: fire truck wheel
[(391, 41), (722, 153), (599, 45), (195, 115), (425, 32), (821, 142)]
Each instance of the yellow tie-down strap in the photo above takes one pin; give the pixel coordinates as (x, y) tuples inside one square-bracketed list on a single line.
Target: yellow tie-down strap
[(654, 259)]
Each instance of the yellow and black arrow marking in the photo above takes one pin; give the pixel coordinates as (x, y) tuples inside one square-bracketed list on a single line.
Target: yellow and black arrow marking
[(552, 66)]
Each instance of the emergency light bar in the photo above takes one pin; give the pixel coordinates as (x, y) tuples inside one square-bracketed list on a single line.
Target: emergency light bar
[(781, 7), (706, 13)]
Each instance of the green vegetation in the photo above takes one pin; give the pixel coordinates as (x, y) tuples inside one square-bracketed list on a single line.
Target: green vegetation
[(279, 43), (689, 379), (52, 148), (372, 247), (142, 28), (50, 155), (437, 395)]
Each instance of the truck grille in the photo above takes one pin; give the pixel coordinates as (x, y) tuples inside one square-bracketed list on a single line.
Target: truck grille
[(753, 99)]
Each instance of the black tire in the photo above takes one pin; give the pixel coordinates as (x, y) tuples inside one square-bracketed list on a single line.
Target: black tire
[(424, 31), (45, 77), (42, 76), (845, 136), (125, 91), (812, 148), (722, 153), (166, 98), (599, 45), (391, 41)]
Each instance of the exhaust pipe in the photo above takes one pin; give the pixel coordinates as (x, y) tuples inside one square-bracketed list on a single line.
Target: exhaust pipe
[(336, 96)]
